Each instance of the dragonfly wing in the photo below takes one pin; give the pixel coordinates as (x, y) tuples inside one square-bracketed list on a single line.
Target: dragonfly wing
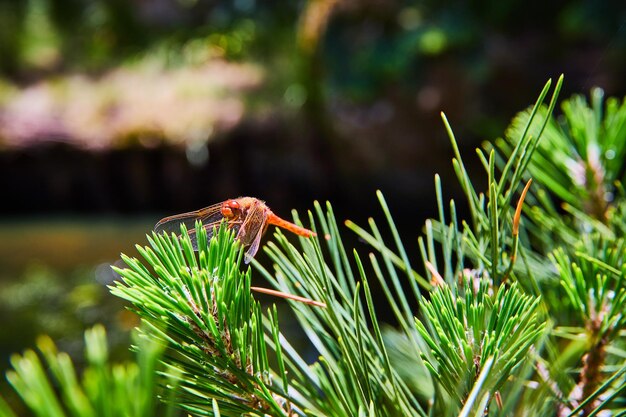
[(252, 230), (254, 247), (255, 222), (209, 216)]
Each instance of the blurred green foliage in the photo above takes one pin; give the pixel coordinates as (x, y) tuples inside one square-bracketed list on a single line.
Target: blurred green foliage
[(50, 384), (366, 44), (45, 300), (94, 34), (348, 68)]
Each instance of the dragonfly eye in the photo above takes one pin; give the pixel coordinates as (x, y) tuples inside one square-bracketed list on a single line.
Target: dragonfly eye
[(230, 209)]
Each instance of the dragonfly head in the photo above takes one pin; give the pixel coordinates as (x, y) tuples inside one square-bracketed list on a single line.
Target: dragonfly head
[(231, 209)]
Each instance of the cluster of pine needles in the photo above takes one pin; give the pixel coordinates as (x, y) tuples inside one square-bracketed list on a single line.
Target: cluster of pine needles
[(517, 310)]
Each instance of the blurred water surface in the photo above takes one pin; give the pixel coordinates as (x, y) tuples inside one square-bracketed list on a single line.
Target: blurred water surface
[(53, 278)]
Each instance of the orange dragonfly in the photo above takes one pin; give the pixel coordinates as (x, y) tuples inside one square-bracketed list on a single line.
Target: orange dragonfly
[(247, 216)]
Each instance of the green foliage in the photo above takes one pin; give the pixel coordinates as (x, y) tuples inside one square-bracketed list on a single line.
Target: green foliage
[(354, 372), (567, 265), (201, 307), (49, 385), (467, 331), (594, 286), (581, 155), (521, 312), (575, 240)]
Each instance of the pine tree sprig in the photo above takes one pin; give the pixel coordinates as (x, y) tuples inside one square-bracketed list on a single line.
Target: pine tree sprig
[(463, 331), (203, 309), (354, 369)]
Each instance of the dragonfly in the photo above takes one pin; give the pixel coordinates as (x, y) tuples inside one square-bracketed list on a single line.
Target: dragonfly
[(249, 217)]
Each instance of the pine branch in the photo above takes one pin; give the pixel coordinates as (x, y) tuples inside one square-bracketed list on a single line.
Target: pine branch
[(467, 260), (466, 330), (201, 307), (576, 162), (354, 370)]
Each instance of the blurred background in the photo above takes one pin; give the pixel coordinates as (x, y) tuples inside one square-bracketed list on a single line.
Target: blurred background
[(115, 113)]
